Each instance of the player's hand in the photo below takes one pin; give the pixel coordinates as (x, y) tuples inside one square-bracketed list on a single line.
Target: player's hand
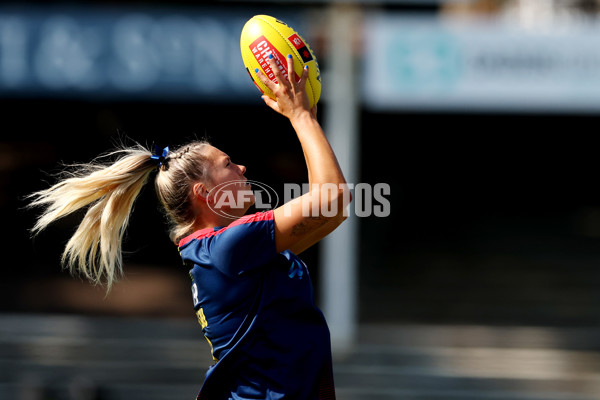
[(291, 97)]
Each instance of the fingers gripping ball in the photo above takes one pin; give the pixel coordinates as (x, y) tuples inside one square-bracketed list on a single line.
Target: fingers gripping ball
[(263, 35)]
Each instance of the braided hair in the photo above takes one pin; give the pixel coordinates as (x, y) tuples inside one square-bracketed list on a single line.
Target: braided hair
[(109, 190), (174, 182)]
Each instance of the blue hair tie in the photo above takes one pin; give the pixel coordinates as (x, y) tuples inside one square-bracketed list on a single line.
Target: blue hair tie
[(160, 155)]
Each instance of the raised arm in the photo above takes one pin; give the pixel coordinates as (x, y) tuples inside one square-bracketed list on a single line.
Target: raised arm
[(307, 219)]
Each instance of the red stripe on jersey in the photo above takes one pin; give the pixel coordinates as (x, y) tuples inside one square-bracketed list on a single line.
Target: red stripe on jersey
[(207, 232)]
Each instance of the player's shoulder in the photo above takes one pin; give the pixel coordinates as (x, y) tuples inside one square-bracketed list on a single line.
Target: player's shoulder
[(256, 217), (245, 221)]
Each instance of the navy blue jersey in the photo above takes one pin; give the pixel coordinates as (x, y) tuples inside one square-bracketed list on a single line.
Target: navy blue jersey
[(256, 309)]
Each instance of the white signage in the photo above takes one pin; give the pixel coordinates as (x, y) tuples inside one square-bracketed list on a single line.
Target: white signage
[(431, 63)]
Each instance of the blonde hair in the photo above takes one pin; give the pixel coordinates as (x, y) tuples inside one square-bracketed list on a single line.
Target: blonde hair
[(109, 190)]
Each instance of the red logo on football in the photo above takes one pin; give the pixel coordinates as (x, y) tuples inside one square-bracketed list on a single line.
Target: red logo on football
[(261, 49), (301, 47), (296, 41)]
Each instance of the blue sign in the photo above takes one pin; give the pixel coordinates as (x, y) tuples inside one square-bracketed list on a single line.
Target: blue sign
[(124, 53)]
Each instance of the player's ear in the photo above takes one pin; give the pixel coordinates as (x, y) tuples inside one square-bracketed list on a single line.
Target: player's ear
[(200, 191)]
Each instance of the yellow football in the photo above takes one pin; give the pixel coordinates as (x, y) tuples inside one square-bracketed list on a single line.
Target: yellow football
[(263, 35)]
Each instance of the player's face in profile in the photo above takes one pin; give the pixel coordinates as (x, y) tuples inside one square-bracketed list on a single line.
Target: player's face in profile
[(230, 188)]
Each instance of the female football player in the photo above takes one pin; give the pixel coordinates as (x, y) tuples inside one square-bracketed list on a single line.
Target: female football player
[(252, 293)]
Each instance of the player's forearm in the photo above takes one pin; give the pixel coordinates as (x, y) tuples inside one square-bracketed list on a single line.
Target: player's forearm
[(321, 161)]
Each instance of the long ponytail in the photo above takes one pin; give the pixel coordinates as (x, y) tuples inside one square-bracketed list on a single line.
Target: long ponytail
[(110, 190)]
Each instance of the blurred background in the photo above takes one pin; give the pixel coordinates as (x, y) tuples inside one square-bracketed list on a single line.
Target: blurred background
[(483, 282)]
